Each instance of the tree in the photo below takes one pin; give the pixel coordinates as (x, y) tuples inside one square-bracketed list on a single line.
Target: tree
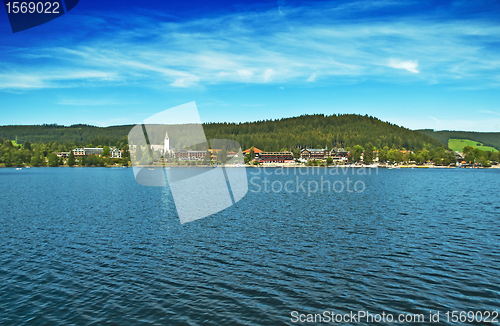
[(6, 159), (106, 151), (53, 160), (71, 159), (422, 156), (222, 156), (356, 153), (27, 145), (137, 155), (395, 156), (36, 159), (368, 155), (250, 156), (470, 157), (329, 160), (17, 158), (382, 154)]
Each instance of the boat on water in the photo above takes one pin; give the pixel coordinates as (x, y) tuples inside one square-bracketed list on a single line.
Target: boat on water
[(18, 168)]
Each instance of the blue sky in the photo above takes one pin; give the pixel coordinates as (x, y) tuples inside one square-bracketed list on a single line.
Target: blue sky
[(420, 65)]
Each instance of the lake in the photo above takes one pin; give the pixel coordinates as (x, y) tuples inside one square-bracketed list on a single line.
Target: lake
[(90, 246)]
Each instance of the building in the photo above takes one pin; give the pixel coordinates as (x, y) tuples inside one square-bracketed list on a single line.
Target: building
[(167, 151), (459, 157), (275, 157), (157, 148), (255, 151), (79, 152), (166, 144), (232, 154), (214, 153), (339, 154), (62, 154), (93, 151), (188, 155), (115, 153), (314, 154)]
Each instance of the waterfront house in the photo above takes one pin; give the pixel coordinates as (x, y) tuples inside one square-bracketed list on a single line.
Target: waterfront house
[(275, 157), (115, 153), (255, 151), (62, 154), (314, 154), (189, 155), (339, 155)]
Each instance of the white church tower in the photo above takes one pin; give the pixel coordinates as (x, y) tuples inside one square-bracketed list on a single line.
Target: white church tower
[(166, 144)]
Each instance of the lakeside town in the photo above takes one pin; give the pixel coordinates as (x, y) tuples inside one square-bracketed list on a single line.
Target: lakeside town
[(35, 155)]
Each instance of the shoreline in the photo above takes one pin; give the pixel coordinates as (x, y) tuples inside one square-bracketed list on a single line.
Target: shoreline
[(390, 167)]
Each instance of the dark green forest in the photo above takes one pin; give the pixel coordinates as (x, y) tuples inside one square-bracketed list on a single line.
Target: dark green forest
[(311, 131), (320, 131), (487, 138), (78, 135)]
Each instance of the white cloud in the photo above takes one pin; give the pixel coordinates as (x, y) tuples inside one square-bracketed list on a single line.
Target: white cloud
[(51, 79), (89, 102), (409, 65), (293, 48), (268, 75), (245, 74), (490, 112), (435, 120)]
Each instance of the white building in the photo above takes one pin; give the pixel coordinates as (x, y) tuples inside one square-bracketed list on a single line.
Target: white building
[(167, 152), (166, 144), (115, 153)]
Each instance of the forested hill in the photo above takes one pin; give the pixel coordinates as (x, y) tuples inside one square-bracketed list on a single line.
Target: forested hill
[(311, 131), (319, 131), (76, 134), (487, 138)]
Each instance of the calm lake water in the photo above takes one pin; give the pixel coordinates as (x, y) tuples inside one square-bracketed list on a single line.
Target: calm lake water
[(90, 246)]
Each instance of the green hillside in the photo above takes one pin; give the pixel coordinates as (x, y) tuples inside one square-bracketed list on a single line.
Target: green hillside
[(76, 134), (459, 144), (319, 131), (312, 131), (491, 139)]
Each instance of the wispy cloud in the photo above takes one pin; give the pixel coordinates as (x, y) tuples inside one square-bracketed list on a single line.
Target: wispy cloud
[(490, 112), (46, 78), (89, 102), (303, 44), (435, 120), (411, 66)]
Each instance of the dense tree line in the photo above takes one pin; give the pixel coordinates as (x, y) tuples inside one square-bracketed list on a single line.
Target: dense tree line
[(78, 135), (40, 154), (320, 131)]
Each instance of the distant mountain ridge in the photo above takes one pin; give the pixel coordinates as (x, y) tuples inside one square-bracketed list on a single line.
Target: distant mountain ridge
[(77, 134), (306, 131), (487, 138)]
